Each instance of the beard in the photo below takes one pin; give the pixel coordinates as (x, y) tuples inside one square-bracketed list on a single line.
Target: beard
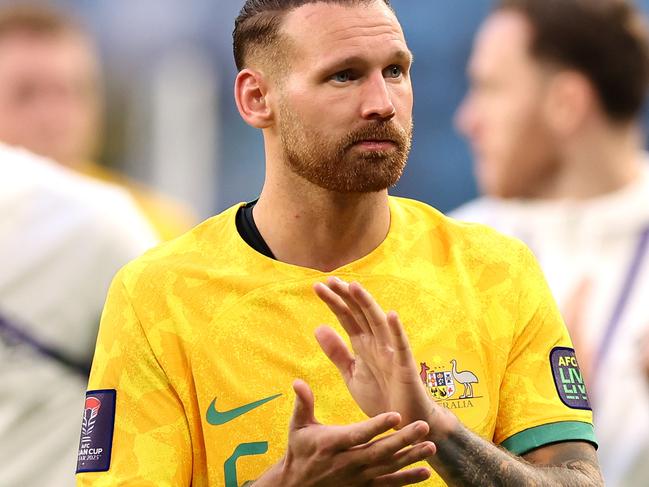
[(339, 166)]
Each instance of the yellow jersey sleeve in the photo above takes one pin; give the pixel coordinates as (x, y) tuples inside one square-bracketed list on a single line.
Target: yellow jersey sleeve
[(151, 444), (545, 399)]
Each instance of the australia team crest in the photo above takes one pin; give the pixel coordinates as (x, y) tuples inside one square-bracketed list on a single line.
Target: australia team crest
[(443, 384), (440, 383)]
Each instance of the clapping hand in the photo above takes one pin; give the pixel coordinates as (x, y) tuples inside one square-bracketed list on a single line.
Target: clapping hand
[(322, 456), (380, 370)]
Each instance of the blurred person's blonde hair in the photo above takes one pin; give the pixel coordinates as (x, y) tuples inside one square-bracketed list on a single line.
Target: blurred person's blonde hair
[(46, 23), (49, 25), (37, 18)]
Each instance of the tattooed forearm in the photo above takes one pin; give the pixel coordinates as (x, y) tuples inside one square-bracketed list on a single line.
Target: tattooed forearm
[(573, 456), (464, 459)]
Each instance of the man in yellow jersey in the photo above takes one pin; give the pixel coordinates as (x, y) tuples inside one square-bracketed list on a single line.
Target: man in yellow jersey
[(202, 338), (50, 103)]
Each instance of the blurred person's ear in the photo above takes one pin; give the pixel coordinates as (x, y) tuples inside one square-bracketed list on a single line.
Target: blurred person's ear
[(570, 99), (250, 93)]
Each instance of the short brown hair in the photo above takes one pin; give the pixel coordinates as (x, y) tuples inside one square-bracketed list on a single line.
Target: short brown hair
[(37, 18), (605, 40), (259, 21)]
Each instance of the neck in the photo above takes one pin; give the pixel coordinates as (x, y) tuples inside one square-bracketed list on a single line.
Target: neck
[(595, 164), (308, 226)]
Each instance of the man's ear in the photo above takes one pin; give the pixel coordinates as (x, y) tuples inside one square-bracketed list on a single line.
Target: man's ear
[(570, 99), (250, 92)]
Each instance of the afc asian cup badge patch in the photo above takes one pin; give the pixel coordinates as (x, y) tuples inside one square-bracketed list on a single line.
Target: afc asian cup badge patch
[(568, 379), (97, 431)]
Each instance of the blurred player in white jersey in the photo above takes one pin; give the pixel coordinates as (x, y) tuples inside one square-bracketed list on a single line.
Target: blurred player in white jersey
[(62, 237), (51, 103), (557, 87)]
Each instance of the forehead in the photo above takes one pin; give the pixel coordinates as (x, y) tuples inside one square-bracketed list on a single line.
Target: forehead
[(26, 48), (320, 31), (502, 42), (22, 40)]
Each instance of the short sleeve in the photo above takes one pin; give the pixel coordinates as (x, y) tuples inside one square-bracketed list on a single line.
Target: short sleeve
[(143, 437), (543, 398)]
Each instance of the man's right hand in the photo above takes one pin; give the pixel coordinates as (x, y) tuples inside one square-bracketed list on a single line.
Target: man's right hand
[(321, 455)]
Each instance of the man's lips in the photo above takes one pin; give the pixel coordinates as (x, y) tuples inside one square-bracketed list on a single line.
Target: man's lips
[(376, 144)]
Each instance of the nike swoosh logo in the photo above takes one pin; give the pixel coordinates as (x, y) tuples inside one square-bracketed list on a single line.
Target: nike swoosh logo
[(216, 418)]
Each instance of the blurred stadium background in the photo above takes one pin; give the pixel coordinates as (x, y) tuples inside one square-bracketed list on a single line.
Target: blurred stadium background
[(171, 118)]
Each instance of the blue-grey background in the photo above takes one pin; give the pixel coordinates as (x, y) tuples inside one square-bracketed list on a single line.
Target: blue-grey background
[(136, 37)]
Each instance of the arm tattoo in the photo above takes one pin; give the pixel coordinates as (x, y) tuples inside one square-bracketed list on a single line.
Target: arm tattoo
[(465, 459)]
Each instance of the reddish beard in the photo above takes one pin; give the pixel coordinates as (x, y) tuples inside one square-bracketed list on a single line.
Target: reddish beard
[(342, 165)]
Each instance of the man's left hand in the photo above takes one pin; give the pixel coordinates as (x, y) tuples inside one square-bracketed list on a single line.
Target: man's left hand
[(380, 370)]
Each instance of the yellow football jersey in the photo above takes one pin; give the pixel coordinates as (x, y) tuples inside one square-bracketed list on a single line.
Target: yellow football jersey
[(202, 337)]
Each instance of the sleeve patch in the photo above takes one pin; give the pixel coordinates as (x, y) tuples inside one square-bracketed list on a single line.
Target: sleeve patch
[(568, 379), (97, 431), (548, 434)]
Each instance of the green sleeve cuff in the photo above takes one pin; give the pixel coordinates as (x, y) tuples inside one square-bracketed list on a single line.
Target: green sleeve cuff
[(547, 434)]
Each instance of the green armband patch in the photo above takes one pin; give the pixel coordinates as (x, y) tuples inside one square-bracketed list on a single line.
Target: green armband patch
[(547, 434)]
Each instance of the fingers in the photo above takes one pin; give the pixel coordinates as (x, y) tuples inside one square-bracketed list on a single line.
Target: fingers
[(336, 350), (389, 445), (416, 453), (357, 310), (338, 307), (372, 311), (303, 411), (355, 302), (349, 436), (393, 452), (405, 477), (349, 455), (341, 289), (400, 340), (402, 459)]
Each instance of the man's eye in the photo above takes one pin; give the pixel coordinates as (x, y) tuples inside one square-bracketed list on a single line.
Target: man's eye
[(393, 71), (342, 77)]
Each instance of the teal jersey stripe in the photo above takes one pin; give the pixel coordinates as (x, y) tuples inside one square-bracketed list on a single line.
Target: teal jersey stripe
[(547, 434)]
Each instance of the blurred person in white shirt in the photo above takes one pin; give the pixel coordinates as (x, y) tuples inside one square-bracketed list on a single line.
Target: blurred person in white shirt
[(62, 238), (552, 115), (51, 103)]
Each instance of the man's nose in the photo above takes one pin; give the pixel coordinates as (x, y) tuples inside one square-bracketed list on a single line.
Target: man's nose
[(377, 99)]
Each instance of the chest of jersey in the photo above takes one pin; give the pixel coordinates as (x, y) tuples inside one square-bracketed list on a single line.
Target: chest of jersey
[(244, 360)]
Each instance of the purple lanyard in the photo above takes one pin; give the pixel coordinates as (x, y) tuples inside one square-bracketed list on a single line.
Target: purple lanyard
[(625, 293), (13, 334)]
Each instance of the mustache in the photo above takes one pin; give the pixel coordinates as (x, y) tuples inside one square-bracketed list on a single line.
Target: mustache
[(377, 131)]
